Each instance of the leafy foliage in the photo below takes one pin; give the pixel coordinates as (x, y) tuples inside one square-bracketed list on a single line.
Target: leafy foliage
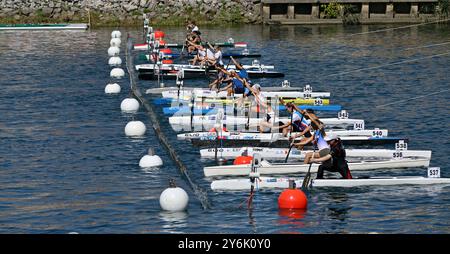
[(331, 10)]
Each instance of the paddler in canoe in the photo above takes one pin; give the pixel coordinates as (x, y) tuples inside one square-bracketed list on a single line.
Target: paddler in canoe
[(201, 54), (193, 37), (334, 160), (222, 77), (301, 121)]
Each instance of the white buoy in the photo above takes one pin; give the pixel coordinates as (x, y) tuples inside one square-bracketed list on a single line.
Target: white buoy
[(116, 34), (112, 88), (174, 199), (113, 51), (135, 128), (150, 160), (117, 73), (129, 105), (115, 42), (115, 61)]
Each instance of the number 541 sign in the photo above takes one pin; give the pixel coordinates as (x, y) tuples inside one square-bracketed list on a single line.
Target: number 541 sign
[(434, 172)]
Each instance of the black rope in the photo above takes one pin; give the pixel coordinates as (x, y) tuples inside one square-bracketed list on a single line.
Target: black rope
[(200, 193)]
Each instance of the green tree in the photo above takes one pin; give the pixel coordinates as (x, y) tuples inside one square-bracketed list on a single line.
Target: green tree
[(443, 8)]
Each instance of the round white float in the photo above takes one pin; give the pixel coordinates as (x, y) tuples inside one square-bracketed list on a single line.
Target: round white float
[(174, 199), (135, 128), (112, 88), (113, 51), (117, 73), (129, 105), (150, 160), (115, 61), (115, 42), (116, 34)]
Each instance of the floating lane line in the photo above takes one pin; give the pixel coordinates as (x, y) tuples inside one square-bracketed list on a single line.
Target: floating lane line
[(199, 193)]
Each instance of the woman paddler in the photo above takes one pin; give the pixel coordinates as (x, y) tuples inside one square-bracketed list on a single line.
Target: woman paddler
[(317, 139), (261, 107), (335, 160)]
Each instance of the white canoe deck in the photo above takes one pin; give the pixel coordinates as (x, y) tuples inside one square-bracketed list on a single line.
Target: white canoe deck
[(195, 67), (267, 182), (280, 153), (236, 120), (174, 90), (80, 26), (267, 168), (186, 95), (274, 136)]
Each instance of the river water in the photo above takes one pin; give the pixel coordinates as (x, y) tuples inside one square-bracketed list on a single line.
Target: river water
[(66, 165)]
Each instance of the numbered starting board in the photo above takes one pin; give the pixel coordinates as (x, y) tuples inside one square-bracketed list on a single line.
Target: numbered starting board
[(434, 172)]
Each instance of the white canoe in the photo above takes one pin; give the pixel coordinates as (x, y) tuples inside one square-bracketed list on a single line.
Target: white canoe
[(267, 168), (225, 135), (281, 153), (151, 67), (186, 95), (80, 26), (267, 182), (210, 120), (188, 90)]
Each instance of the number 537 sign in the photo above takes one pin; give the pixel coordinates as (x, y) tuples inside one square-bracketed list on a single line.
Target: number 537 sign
[(434, 172)]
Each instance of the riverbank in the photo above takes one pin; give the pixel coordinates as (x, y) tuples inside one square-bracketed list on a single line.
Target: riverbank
[(130, 12)]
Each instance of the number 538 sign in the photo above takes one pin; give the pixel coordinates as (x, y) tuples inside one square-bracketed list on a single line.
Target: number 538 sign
[(434, 172)]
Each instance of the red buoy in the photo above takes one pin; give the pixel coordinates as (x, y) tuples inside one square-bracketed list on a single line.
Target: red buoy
[(214, 129), (240, 160), (166, 51), (292, 199), (167, 61), (159, 34)]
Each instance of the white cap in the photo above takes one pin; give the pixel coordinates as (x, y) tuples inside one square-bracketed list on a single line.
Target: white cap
[(330, 136), (256, 86)]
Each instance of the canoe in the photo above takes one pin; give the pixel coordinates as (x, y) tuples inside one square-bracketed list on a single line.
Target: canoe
[(267, 168), (269, 153), (80, 26), (186, 110), (283, 183), (271, 137)]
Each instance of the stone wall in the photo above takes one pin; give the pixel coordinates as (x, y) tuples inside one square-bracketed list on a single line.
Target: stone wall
[(120, 12)]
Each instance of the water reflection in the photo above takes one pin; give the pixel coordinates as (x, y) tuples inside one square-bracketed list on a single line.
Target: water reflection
[(293, 218), (173, 221), (337, 208)]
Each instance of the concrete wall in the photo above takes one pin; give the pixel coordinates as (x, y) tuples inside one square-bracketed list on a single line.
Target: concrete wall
[(369, 11)]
